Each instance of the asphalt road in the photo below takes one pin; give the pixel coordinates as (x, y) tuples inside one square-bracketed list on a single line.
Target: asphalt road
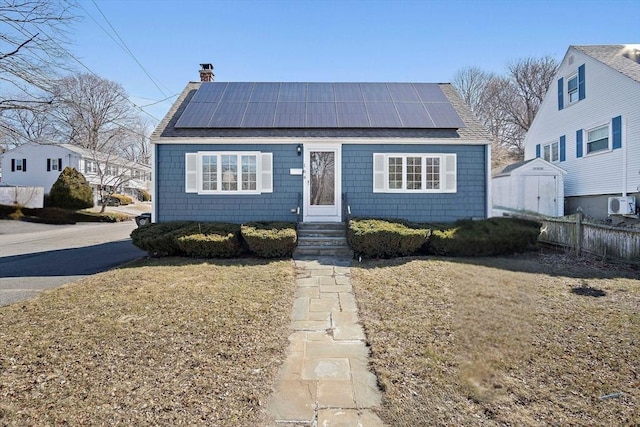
[(34, 257)]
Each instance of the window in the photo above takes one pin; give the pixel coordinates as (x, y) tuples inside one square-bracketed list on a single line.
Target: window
[(598, 139), (572, 89), (111, 170), (551, 152), (18, 165), (54, 165), (229, 173), (424, 173), (90, 167)]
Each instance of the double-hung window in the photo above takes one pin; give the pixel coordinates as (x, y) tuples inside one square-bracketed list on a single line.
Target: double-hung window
[(210, 172), (422, 173), (90, 167), (551, 152), (111, 170), (597, 139), (18, 165), (572, 88)]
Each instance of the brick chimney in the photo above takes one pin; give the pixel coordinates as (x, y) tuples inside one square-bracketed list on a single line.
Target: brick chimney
[(206, 73)]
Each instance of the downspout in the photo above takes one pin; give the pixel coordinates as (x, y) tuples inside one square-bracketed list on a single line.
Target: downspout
[(488, 185), (623, 136), (154, 183)]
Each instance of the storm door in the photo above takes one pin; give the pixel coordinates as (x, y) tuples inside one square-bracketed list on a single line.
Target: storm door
[(322, 179)]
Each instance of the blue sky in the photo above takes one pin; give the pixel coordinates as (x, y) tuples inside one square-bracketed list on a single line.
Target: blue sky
[(349, 40)]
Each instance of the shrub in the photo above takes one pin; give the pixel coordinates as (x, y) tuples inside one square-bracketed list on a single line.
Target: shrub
[(490, 237), (71, 191), (211, 241), (270, 239), (376, 238), (145, 195), (7, 210), (159, 239), (123, 199)]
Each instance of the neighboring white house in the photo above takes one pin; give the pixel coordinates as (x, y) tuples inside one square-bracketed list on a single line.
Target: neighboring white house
[(534, 186), (41, 164), (589, 125)]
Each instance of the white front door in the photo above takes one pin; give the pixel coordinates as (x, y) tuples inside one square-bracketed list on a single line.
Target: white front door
[(322, 183)]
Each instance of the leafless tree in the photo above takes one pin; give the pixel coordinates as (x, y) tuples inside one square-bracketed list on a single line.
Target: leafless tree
[(95, 114), (33, 125), (506, 105), (139, 149), (322, 178), (32, 49)]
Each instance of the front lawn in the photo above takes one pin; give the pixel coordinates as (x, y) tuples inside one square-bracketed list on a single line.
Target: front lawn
[(162, 342), (526, 341)]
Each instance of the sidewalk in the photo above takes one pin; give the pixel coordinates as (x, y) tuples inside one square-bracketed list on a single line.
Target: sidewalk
[(325, 380)]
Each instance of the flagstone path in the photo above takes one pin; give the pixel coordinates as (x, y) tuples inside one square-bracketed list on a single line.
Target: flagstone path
[(325, 381)]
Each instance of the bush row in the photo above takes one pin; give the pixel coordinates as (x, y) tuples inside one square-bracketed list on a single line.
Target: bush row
[(123, 199), (375, 238), (216, 240), (58, 215)]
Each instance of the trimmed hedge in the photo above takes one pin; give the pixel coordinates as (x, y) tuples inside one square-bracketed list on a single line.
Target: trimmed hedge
[(161, 239), (145, 195), (270, 239), (214, 240), (490, 237), (123, 199), (377, 238)]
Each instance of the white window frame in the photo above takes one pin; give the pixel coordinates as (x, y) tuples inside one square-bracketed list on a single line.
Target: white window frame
[(551, 146), (90, 167), (447, 174), (109, 170), (586, 142), (575, 92), (19, 165), (53, 165), (194, 182)]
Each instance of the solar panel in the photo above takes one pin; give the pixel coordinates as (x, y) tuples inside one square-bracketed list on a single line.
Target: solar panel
[(444, 115), (383, 114), (321, 115), (430, 92), (265, 92), (348, 92), (320, 92), (319, 105), (196, 115), (237, 92), (375, 92), (295, 92), (403, 92), (259, 115), (414, 115), (290, 115), (209, 92), (352, 114)]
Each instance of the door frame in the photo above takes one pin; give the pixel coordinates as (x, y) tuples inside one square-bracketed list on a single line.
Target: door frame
[(308, 214)]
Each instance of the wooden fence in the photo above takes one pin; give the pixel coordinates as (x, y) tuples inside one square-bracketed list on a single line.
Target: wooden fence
[(601, 240)]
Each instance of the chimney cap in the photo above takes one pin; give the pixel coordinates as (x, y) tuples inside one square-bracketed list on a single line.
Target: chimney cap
[(207, 66)]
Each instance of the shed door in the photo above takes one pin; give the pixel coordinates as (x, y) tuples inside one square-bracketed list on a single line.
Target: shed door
[(540, 194), (322, 183)]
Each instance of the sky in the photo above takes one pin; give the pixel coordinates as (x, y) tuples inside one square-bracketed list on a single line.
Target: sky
[(154, 47)]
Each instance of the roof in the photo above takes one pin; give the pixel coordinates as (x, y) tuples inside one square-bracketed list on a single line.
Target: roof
[(622, 58), (349, 110), (517, 165), (117, 160)]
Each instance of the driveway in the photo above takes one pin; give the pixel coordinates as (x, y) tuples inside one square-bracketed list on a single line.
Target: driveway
[(34, 257)]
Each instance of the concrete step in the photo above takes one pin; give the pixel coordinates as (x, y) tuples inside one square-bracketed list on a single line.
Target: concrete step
[(340, 241), (306, 252), (321, 233), (322, 226)]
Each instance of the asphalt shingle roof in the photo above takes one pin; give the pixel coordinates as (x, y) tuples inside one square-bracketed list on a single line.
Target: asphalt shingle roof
[(613, 55)]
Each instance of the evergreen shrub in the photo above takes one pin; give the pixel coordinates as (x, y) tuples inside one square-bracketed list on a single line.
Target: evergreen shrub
[(378, 238), (270, 239), (71, 191)]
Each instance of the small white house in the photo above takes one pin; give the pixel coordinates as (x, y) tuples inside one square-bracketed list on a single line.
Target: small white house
[(589, 125), (39, 165), (531, 186)]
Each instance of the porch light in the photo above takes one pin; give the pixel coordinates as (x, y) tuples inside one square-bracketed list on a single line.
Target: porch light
[(299, 150)]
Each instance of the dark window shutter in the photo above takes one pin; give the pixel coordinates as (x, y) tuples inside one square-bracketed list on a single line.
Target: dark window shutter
[(563, 148), (581, 85), (537, 150), (48, 165), (59, 165), (616, 132), (579, 143), (560, 93), (24, 165), (13, 165)]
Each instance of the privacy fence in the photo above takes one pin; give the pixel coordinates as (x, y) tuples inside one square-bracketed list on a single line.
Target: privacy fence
[(596, 239)]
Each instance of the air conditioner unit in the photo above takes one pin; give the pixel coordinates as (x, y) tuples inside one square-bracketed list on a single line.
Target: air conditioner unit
[(622, 205)]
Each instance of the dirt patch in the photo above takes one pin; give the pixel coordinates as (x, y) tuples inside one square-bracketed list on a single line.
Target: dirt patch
[(503, 341), (165, 342)]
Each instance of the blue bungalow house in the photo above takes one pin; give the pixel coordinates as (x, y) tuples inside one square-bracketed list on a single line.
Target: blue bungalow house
[(311, 152)]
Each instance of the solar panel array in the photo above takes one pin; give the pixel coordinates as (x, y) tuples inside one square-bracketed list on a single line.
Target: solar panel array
[(319, 105)]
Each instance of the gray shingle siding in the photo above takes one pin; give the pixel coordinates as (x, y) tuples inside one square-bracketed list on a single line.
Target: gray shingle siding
[(468, 202), (175, 204)]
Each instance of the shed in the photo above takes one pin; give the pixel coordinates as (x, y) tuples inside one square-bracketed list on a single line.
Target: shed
[(534, 186)]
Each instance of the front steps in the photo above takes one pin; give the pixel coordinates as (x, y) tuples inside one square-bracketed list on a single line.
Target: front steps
[(326, 239)]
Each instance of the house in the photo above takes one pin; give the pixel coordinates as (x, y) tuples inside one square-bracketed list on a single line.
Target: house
[(532, 186), (313, 152), (40, 165), (589, 125)]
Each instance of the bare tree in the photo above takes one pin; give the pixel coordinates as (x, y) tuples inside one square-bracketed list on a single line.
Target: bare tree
[(139, 148), (95, 114), (32, 38), (29, 125)]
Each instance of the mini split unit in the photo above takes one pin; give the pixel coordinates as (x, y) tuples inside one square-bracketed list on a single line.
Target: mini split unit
[(622, 206)]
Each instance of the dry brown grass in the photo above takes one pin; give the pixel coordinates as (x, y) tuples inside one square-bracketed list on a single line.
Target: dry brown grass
[(503, 341), (169, 342)]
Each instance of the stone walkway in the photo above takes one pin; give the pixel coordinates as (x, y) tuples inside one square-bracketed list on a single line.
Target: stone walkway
[(325, 381)]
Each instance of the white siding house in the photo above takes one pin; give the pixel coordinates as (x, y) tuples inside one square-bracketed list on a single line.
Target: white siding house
[(589, 125), (39, 165)]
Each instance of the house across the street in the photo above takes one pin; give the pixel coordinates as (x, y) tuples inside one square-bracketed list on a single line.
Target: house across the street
[(589, 126), (39, 165), (311, 152)]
